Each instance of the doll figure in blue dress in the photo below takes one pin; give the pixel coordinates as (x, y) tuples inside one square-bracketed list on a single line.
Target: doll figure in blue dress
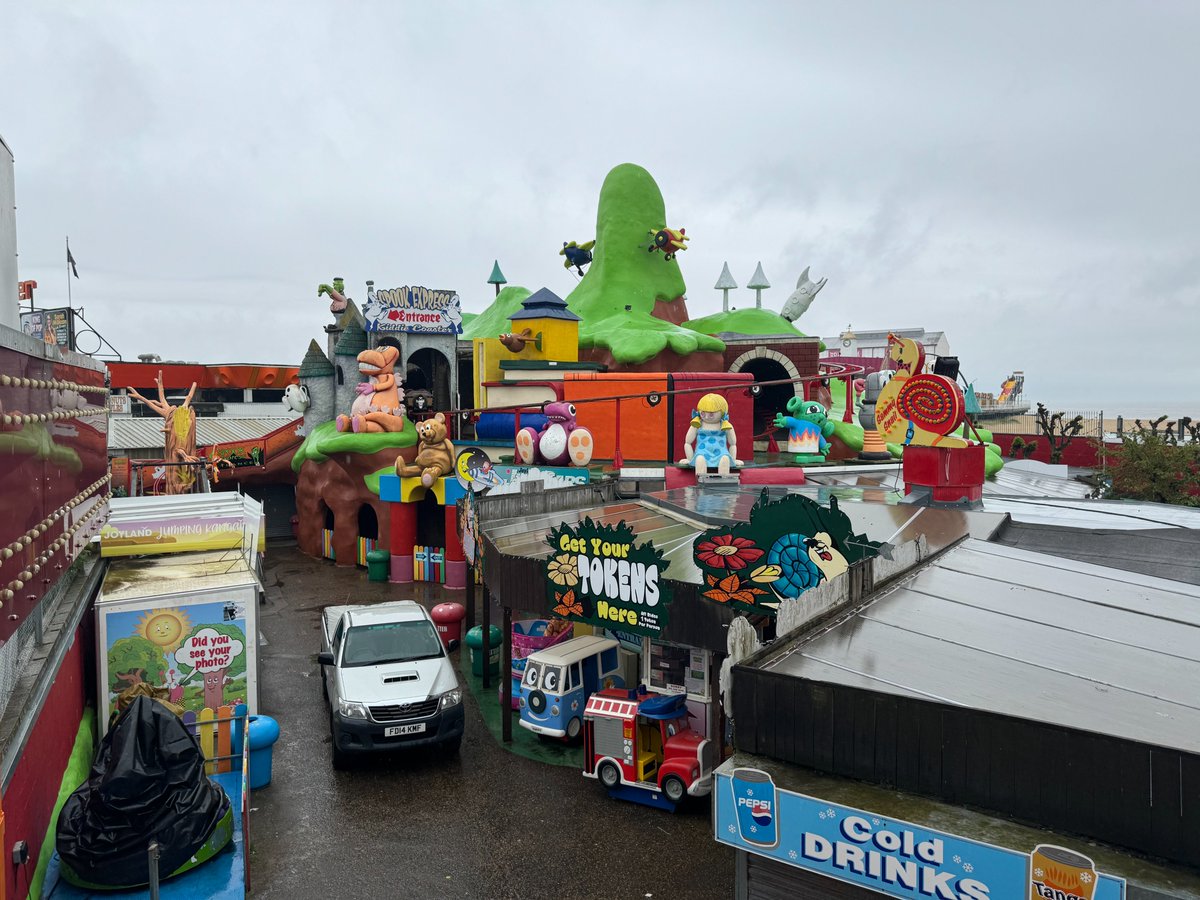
[(710, 441)]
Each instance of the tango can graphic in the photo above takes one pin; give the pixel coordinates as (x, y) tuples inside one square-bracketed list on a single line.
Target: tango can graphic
[(754, 802), (1056, 872)]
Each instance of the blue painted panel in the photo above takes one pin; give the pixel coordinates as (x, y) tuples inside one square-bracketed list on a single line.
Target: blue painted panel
[(893, 857), (389, 488), (221, 878)]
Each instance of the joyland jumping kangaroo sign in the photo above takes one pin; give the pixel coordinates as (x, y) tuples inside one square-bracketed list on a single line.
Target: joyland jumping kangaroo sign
[(597, 574)]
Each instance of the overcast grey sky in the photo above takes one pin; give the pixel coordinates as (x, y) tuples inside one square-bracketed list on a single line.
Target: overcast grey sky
[(1020, 175)]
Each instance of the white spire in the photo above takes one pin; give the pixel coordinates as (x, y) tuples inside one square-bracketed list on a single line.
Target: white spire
[(758, 283), (725, 284)]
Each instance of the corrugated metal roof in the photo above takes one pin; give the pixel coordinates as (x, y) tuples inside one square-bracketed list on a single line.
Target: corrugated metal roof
[(1027, 635), (128, 433), (1172, 553), (1011, 481), (884, 485)]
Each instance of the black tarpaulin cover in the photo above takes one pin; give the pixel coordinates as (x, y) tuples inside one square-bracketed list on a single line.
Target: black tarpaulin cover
[(147, 783)]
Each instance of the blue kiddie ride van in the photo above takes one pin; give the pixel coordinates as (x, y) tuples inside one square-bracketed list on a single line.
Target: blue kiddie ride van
[(558, 681)]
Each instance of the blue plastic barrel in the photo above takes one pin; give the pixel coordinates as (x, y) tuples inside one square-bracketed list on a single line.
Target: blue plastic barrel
[(264, 732), (503, 426)]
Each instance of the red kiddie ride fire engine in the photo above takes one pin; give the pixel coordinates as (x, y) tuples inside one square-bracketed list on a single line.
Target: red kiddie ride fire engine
[(639, 746)]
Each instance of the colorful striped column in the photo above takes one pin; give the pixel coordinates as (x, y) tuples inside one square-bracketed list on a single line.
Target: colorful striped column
[(402, 536), (456, 563)]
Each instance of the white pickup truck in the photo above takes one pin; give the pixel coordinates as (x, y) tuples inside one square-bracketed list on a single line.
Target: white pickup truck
[(388, 680)]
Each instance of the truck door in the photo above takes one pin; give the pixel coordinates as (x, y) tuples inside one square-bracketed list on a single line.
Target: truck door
[(331, 678)]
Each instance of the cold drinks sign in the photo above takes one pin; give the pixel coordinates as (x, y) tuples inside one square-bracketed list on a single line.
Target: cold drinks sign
[(892, 857), (597, 574)]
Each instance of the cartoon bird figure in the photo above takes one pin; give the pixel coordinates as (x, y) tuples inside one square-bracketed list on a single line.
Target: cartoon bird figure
[(516, 341), (577, 255), (916, 408), (668, 240)]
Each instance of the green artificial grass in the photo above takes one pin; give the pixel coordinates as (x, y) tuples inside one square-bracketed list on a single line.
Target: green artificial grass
[(524, 742), (746, 321), (325, 440), (78, 766), (372, 480), (493, 321), (624, 273)]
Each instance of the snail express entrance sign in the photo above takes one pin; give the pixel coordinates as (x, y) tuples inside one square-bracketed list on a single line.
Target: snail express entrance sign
[(597, 574)]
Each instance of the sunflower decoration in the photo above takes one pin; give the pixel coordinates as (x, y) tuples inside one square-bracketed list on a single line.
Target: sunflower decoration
[(564, 570), (567, 604), (724, 551)]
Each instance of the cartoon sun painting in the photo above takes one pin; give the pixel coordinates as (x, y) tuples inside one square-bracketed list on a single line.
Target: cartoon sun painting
[(164, 628)]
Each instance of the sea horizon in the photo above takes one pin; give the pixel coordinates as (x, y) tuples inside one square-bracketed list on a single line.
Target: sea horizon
[(1136, 409)]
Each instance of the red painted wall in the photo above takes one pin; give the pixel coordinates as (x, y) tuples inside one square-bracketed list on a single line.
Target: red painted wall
[(43, 465), (179, 376), (1079, 452), (31, 793), (741, 406)]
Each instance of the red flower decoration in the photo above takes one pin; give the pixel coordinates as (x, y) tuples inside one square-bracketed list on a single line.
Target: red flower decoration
[(727, 552)]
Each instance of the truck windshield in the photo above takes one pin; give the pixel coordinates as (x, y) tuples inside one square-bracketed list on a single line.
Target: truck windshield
[(390, 642)]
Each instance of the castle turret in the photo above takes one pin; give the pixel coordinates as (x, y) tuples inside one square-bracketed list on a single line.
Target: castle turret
[(346, 375), (317, 374)]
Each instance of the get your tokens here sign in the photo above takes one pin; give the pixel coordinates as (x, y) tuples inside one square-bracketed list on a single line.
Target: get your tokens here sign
[(597, 574), (890, 856)]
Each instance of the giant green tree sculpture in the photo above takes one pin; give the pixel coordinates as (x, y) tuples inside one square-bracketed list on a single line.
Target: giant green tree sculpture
[(632, 301)]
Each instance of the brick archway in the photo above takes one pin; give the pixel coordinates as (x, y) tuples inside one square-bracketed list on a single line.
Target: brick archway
[(769, 365), (739, 364)]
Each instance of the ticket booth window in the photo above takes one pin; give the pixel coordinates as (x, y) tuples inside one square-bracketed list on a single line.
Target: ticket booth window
[(678, 670)]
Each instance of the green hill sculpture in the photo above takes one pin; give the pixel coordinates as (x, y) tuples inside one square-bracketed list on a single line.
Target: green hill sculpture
[(631, 301)]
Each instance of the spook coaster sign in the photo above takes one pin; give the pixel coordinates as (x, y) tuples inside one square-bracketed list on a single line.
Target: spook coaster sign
[(597, 574)]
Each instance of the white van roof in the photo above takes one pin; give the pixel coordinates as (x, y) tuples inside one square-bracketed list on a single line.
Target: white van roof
[(573, 650), (386, 613)]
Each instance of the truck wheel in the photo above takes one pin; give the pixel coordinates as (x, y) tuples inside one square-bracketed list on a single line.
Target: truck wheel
[(573, 729), (674, 788), (341, 759), (609, 774)]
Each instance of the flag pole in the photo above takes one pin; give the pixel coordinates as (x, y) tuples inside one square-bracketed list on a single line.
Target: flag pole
[(70, 305)]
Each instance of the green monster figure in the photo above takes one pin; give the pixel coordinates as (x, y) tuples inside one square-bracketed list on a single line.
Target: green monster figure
[(808, 426), (336, 293)]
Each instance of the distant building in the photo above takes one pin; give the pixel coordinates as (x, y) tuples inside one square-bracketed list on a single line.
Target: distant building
[(8, 239), (868, 348), (240, 417)]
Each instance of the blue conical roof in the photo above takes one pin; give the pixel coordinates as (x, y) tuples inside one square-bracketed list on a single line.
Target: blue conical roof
[(545, 304)]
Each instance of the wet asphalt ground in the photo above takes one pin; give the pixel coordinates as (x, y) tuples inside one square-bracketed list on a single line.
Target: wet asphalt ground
[(487, 824)]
